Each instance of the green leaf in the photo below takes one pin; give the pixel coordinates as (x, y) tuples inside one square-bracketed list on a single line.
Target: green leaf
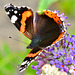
[(6, 60), (22, 56), (29, 70), (43, 4), (6, 49), (67, 6)]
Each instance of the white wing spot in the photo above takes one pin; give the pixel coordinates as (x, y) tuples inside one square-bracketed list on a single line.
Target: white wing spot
[(8, 13), (13, 19), (12, 10), (24, 63), (15, 12), (9, 10), (19, 14), (22, 69)]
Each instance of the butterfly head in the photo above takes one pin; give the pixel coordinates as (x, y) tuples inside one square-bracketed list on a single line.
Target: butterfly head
[(35, 42)]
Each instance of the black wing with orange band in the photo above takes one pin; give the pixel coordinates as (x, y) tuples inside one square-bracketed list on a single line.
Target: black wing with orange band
[(48, 27), (29, 58), (22, 18)]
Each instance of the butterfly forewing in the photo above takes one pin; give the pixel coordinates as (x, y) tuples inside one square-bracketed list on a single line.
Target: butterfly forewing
[(22, 18)]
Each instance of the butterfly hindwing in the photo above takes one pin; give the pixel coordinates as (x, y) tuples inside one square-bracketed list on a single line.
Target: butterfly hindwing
[(22, 18), (29, 58)]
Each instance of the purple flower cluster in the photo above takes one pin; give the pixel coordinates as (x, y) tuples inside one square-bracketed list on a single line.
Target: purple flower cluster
[(61, 55)]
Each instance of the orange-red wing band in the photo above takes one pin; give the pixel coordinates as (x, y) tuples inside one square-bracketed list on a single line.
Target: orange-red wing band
[(60, 37), (33, 54), (53, 15), (25, 15)]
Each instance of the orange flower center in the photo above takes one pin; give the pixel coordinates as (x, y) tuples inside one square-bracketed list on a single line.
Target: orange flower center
[(61, 65), (72, 48), (56, 54), (68, 61), (54, 63), (73, 69), (45, 59)]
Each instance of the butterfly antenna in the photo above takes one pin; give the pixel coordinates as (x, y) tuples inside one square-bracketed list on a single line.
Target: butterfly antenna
[(17, 40)]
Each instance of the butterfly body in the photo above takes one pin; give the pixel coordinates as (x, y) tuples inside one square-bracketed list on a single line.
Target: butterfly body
[(43, 30)]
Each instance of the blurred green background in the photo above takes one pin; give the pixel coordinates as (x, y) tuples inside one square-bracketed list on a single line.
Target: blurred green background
[(13, 52)]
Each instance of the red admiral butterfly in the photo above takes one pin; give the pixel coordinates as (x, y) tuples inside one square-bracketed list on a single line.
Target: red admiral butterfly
[(43, 30)]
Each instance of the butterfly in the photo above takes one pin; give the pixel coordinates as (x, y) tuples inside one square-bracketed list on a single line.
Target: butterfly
[(42, 29)]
